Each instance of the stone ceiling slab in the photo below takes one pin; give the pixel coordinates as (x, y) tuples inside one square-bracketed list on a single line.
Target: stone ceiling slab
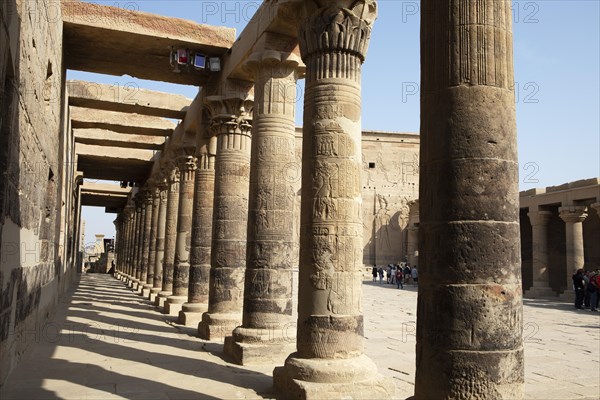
[(103, 137), (134, 124), (116, 41), (128, 99)]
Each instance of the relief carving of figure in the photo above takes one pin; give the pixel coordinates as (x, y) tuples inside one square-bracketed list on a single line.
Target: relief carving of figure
[(323, 264), (404, 213), (382, 220), (324, 207)]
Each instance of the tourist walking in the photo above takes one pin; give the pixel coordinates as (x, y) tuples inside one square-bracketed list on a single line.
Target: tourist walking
[(415, 275), (406, 272), (579, 287), (380, 272), (399, 278), (374, 273)]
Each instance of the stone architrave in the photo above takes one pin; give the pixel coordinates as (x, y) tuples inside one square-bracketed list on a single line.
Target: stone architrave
[(181, 272), (155, 198), (160, 239), (573, 216), (231, 123), (170, 237), (267, 333), (329, 361), (145, 243), (541, 279), (197, 303), (469, 310)]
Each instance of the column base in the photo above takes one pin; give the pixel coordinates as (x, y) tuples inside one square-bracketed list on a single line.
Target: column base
[(161, 299), (146, 290), (173, 305), (131, 283), (153, 294), (191, 313), (354, 378), (217, 326), (536, 292), (260, 346)]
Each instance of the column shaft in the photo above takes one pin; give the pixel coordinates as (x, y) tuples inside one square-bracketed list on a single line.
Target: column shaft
[(147, 226), (231, 123), (573, 217), (329, 361), (539, 243), (469, 312), (181, 271), (170, 237), (267, 328), (200, 251), (155, 193), (160, 239)]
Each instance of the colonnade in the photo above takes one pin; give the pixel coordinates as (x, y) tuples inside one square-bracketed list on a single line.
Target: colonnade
[(209, 238)]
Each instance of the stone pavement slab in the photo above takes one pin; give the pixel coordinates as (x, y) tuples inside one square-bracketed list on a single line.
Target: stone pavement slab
[(105, 342)]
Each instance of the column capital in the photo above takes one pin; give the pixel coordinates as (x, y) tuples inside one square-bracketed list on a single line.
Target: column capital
[(342, 26), (573, 213), (230, 114), (283, 62), (173, 174), (186, 163), (539, 217), (596, 206)]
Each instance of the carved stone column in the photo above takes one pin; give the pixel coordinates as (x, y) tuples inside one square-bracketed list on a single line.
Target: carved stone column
[(541, 280), (117, 247), (170, 237), (267, 333), (139, 237), (573, 217), (130, 224), (469, 313), (131, 251), (329, 362), (181, 272), (145, 243), (231, 123), (154, 194), (197, 303), (160, 238)]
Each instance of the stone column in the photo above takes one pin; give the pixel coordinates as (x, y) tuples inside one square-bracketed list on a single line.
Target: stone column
[(573, 217), (329, 362), (130, 243), (139, 233), (231, 123), (181, 272), (197, 303), (160, 239), (154, 195), (539, 241), (170, 237), (145, 241), (267, 333), (469, 310)]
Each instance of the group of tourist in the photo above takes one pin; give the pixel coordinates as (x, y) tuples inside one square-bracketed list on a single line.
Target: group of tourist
[(398, 274), (587, 289)]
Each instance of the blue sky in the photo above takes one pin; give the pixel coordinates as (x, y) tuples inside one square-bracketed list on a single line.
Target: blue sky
[(557, 69)]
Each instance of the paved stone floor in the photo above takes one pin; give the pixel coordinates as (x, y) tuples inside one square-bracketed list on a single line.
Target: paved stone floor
[(105, 342)]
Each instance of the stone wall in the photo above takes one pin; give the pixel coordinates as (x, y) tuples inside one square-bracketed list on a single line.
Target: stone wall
[(36, 202)]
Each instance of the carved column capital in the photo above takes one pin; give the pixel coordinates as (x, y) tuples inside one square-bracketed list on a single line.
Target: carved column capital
[(230, 114), (341, 27), (573, 213), (173, 174), (539, 217)]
